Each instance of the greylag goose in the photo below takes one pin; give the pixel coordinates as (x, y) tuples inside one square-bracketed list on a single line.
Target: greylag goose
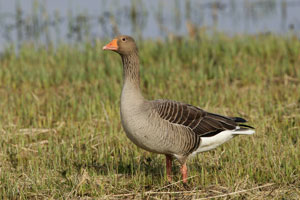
[(175, 129)]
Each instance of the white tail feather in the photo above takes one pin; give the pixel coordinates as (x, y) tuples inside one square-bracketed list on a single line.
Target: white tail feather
[(239, 131), (208, 143)]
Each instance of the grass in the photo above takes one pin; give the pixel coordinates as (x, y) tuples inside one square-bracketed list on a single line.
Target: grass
[(61, 136)]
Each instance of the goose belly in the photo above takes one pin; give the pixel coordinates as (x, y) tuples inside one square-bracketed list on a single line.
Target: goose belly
[(149, 133), (142, 134)]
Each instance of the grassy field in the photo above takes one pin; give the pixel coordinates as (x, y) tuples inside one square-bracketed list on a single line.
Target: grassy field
[(61, 136)]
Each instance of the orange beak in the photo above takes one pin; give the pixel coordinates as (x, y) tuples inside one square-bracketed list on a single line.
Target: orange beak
[(113, 45)]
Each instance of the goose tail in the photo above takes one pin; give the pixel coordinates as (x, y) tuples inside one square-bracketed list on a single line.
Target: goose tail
[(243, 131)]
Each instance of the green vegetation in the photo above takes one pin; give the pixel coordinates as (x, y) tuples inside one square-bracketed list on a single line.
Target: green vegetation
[(61, 135)]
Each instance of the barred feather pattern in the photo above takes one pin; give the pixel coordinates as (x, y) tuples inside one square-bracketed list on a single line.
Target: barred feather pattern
[(199, 122), (130, 71)]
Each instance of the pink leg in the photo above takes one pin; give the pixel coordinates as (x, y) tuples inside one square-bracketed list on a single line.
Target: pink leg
[(169, 167), (183, 170)]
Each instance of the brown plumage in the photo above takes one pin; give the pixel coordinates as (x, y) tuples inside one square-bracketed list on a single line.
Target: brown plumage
[(164, 126), (201, 122)]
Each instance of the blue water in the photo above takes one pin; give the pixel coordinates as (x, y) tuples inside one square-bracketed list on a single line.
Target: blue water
[(155, 19)]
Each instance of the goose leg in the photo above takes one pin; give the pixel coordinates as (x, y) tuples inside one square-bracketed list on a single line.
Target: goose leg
[(183, 170), (169, 167)]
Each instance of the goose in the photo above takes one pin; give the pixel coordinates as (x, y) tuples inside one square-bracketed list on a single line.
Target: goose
[(177, 130)]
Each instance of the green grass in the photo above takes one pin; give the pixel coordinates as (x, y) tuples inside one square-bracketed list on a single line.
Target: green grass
[(61, 135)]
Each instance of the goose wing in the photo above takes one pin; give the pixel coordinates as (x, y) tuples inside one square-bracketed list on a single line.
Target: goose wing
[(202, 123)]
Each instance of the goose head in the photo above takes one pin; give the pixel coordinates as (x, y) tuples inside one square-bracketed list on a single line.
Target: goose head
[(123, 45)]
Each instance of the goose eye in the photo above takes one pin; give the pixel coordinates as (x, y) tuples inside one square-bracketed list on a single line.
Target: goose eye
[(123, 39)]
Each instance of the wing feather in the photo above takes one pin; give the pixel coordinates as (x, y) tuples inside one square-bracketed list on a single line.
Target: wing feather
[(200, 122)]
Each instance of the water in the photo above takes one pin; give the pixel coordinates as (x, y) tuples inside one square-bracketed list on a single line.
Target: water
[(56, 21)]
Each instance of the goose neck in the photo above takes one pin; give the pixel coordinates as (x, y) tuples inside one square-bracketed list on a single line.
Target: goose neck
[(131, 71), (131, 76)]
